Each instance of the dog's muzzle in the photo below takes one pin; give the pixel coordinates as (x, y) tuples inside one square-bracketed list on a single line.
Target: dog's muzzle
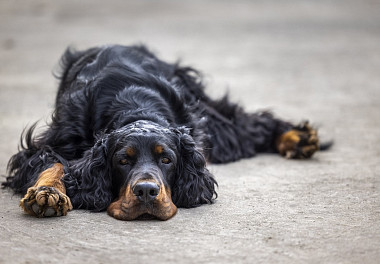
[(143, 197)]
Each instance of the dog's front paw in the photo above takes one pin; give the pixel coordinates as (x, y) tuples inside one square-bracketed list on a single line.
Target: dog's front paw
[(299, 143), (45, 201)]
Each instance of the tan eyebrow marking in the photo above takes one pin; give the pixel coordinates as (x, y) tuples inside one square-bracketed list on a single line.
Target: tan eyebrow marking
[(159, 149), (130, 151)]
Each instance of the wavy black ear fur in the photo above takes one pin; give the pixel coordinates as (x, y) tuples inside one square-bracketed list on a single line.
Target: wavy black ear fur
[(88, 181), (194, 184)]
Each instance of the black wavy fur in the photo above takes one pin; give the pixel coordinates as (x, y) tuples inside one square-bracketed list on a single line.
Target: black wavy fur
[(104, 90)]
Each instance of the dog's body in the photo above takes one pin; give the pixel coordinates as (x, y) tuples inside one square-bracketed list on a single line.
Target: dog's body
[(131, 134)]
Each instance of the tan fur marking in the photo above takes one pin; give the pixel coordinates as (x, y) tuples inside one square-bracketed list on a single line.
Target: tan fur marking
[(128, 207), (159, 149), (48, 196), (131, 152), (52, 178), (288, 142), (291, 146)]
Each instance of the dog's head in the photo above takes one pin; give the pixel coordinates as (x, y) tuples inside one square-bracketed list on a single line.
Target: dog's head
[(151, 170)]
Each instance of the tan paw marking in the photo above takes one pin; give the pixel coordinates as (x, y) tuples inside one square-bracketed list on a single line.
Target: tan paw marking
[(299, 143), (45, 201)]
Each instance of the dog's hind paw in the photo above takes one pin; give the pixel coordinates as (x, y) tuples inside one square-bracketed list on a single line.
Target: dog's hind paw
[(45, 201), (299, 143)]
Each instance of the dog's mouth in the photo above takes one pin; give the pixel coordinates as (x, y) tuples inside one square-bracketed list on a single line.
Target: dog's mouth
[(144, 200), (144, 217)]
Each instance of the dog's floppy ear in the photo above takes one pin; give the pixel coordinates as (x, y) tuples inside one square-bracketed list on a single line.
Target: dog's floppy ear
[(89, 180), (194, 185)]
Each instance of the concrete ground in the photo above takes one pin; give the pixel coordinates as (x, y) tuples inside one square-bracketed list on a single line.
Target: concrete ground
[(316, 60)]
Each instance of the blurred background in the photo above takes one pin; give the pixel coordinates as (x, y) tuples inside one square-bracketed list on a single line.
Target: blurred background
[(297, 58), (263, 50), (316, 60)]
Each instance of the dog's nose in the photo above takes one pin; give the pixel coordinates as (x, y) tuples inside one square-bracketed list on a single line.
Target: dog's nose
[(146, 191)]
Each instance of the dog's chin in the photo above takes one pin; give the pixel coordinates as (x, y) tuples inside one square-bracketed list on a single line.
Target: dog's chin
[(146, 217), (121, 211), (128, 207)]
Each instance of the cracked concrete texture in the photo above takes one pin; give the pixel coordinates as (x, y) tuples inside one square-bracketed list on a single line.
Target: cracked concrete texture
[(316, 60)]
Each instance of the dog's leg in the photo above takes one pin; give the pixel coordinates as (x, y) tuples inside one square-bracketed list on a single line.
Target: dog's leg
[(235, 134), (48, 195)]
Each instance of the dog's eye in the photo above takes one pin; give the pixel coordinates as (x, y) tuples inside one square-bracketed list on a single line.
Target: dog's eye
[(123, 162), (165, 160)]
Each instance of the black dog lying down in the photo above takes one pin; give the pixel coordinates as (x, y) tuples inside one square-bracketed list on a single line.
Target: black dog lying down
[(131, 134)]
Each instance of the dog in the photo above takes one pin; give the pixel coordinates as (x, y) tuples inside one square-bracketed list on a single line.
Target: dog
[(131, 134)]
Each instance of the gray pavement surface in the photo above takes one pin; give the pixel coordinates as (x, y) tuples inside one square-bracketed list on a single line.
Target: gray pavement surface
[(316, 60)]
